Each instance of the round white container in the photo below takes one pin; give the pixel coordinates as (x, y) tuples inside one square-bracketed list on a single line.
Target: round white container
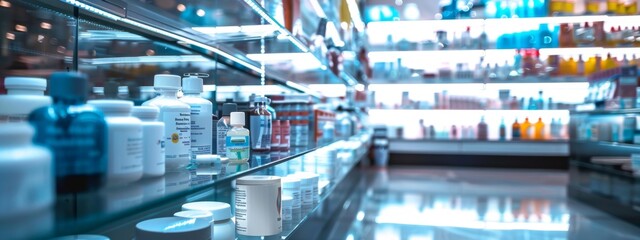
[(124, 141), (24, 94), (176, 117), (258, 209), (291, 188), (204, 215), (223, 227), (26, 174), (308, 186), (171, 228), (152, 140), (287, 208), (82, 237)]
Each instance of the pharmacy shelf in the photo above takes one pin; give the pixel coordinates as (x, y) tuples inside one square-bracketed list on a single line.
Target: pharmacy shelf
[(114, 211), (608, 112), (528, 79), (474, 147), (588, 149)]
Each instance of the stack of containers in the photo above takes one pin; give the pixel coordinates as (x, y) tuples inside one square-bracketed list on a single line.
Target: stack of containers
[(297, 111)]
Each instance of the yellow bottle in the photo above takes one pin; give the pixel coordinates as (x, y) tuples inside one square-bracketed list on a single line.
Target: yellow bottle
[(632, 7), (572, 66), (556, 7), (612, 6), (524, 129), (569, 6), (593, 6), (538, 133), (622, 8), (609, 63)]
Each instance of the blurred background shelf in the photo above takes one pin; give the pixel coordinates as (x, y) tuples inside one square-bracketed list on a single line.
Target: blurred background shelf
[(475, 147)]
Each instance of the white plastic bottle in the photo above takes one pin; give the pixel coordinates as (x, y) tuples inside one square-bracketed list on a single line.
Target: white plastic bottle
[(201, 111), (152, 140), (24, 94), (238, 142), (26, 174), (176, 117), (124, 141), (223, 126)]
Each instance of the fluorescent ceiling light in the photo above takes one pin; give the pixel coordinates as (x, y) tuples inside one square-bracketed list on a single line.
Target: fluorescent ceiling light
[(299, 60), (317, 8), (303, 89)]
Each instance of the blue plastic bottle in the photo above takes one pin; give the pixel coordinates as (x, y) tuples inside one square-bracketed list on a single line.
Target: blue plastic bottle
[(74, 132)]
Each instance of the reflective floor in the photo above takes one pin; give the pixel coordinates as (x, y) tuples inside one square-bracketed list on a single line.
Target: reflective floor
[(428, 203)]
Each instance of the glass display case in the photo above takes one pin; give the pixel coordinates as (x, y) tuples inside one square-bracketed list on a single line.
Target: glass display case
[(240, 48)]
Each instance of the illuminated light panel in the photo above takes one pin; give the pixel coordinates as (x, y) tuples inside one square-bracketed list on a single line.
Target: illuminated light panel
[(45, 25), (248, 29), (148, 59), (4, 3), (300, 60), (21, 28), (303, 89), (421, 56), (329, 90), (317, 9), (181, 7), (356, 17), (165, 33), (10, 36), (440, 221)]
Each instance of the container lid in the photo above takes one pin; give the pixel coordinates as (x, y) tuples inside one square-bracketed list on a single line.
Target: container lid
[(290, 182), (147, 112), (220, 210), (237, 118), (26, 83), (287, 201), (166, 81), (15, 133), (192, 84), (258, 180), (82, 237), (228, 108), (112, 106), (195, 214), (170, 228), (68, 85), (202, 158), (306, 178)]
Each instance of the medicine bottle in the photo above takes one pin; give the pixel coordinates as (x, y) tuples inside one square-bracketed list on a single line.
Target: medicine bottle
[(223, 126), (260, 125), (238, 141), (24, 94), (152, 140), (201, 111)]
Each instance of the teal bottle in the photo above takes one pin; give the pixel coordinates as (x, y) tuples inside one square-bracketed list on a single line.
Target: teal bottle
[(74, 132)]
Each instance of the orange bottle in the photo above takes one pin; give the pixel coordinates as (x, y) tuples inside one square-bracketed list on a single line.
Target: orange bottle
[(515, 131), (524, 129), (538, 133), (609, 63)]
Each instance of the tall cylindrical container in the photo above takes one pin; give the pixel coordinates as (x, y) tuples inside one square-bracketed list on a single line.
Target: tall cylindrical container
[(124, 141), (201, 111), (152, 140), (258, 205)]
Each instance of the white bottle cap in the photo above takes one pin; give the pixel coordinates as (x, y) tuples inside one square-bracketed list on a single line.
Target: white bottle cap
[(169, 228), (25, 83), (166, 81), (306, 178), (220, 210), (112, 106), (259, 180), (195, 214), (237, 118), (290, 182), (192, 85), (146, 112), (82, 237)]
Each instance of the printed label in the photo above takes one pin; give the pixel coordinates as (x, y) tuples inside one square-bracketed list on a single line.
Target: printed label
[(238, 147), (125, 147), (221, 143), (200, 126), (178, 135)]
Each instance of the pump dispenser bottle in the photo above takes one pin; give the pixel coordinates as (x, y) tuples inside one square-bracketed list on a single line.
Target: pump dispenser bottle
[(75, 133), (176, 117), (201, 111)]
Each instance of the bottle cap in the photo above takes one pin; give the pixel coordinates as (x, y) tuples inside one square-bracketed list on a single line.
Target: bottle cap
[(237, 118), (82, 237), (228, 108), (25, 83), (220, 210), (112, 106), (290, 182), (259, 180), (173, 228), (69, 85), (195, 214), (192, 85), (146, 112), (166, 81)]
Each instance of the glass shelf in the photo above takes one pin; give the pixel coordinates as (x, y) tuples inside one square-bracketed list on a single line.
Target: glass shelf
[(529, 79), (608, 112), (106, 210)]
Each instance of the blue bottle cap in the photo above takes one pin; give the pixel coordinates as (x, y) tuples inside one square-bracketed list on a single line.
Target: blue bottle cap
[(68, 85)]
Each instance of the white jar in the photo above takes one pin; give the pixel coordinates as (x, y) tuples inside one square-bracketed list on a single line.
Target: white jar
[(171, 228), (308, 187), (124, 141), (291, 188), (201, 112), (176, 117), (287, 208), (24, 94), (258, 209), (223, 227), (152, 140), (194, 214), (26, 174)]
